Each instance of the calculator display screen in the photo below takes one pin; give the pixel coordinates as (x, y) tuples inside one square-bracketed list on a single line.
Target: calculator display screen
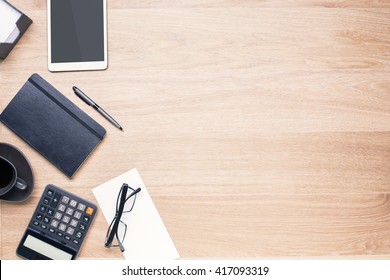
[(46, 249)]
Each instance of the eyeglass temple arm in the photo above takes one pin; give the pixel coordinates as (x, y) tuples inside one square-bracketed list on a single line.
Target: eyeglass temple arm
[(134, 192), (118, 214), (123, 199)]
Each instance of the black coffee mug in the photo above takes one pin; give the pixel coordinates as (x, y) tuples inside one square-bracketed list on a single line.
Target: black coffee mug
[(9, 177)]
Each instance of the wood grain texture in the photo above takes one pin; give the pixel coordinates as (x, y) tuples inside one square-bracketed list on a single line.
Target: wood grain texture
[(280, 225), (253, 4), (261, 128), (169, 4)]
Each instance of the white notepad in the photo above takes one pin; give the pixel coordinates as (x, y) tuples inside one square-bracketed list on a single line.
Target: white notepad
[(147, 237), (8, 18)]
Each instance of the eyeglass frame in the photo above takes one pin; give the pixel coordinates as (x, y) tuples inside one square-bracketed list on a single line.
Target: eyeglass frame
[(119, 210)]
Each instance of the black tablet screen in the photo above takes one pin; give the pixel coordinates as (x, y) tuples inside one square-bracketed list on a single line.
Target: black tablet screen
[(77, 31)]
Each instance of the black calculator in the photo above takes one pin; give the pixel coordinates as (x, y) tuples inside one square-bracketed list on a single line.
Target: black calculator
[(58, 226)]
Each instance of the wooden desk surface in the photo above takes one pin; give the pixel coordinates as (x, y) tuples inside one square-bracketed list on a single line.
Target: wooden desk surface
[(261, 128)]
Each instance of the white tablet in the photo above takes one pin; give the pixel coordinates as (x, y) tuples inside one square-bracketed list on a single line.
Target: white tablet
[(77, 35)]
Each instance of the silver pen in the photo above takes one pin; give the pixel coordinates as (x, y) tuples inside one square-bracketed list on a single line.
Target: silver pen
[(92, 103)]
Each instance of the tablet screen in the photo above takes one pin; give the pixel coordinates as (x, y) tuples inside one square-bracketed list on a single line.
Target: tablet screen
[(77, 31)]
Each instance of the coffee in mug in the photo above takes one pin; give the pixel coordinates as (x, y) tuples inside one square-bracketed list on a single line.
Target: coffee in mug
[(9, 177)]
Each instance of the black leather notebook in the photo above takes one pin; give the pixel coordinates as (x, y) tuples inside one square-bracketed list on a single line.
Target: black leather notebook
[(52, 125)]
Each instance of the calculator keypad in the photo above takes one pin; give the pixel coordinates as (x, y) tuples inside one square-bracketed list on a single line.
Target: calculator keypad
[(62, 216)]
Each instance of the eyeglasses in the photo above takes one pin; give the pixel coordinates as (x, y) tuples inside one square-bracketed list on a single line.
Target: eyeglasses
[(117, 229)]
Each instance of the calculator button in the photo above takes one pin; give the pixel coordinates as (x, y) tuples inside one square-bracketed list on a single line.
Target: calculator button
[(62, 227), (65, 199), (70, 231), (58, 215), (69, 211), (77, 215), (73, 203), (73, 223), (50, 212), (81, 207), (42, 208), (55, 200), (54, 223), (66, 219), (89, 211), (62, 217), (46, 220), (86, 219), (50, 192)]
